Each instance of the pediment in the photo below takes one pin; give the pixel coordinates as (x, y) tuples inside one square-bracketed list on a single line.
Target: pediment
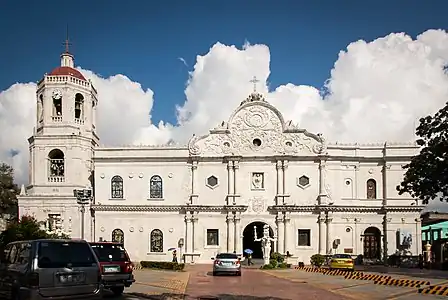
[(257, 128)]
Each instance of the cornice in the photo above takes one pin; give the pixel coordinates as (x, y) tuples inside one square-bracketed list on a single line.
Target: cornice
[(243, 208), (170, 208)]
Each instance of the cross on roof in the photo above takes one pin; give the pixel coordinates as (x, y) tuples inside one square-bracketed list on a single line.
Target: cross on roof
[(255, 81), (67, 43)]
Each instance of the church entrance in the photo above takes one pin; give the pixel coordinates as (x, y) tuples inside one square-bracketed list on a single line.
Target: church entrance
[(372, 243), (249, 236)]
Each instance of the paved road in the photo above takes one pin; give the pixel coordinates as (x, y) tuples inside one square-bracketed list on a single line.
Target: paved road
[(253, 284)]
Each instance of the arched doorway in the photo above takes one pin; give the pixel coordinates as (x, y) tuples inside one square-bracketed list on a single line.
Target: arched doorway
[(249, 237), (372, 243)]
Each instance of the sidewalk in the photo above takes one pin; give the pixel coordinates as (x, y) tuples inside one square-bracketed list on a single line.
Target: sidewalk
[(414, 272)]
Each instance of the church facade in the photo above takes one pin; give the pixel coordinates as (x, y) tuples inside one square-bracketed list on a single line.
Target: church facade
[(216, 193)]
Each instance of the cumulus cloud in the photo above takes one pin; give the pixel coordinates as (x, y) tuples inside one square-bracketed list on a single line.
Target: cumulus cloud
[(377, 91)]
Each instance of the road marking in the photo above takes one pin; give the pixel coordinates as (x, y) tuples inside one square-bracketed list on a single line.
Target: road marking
[(350, 286)]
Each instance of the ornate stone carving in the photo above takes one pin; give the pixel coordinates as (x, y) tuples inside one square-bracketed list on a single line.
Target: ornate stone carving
[(257, 205), (193, 147), (257, 127), (257, 181)]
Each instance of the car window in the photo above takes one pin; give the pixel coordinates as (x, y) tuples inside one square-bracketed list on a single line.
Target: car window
[(54, 254), (227, 256), (12, 254), (109, 252), (23, 253), (342, 256)]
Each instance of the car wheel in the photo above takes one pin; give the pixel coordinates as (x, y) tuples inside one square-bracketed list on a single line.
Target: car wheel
[(214, 273), (238, 273), (117, 290)]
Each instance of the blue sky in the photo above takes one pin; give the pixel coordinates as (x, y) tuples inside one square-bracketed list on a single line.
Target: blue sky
[(143, 39)]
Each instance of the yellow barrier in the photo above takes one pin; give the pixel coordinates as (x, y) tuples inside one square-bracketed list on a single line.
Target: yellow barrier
[(434, 290), (403, 282)]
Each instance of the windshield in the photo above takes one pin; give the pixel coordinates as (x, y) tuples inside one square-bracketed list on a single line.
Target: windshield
[(109, 252), (227, 256), (342, 256), (64, 254)]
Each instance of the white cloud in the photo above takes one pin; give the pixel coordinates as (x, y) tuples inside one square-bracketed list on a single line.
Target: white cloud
[(378, 90)]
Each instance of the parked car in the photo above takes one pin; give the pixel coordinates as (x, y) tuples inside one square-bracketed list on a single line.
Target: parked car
[(227, 263), (342, 261), (49, 269), (116, 266)]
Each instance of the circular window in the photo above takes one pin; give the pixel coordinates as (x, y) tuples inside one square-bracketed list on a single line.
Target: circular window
[(347, 229), (289, 144), (347, 182), (227, 144), (257, 142)]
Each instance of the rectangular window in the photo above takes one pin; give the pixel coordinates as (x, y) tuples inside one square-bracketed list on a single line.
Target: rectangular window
[(304, 237), (60, 254), (212, 237)]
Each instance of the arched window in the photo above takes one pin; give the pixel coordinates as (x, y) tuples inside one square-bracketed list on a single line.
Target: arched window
[(79, 106), (156, 241), (56, 168), (371, 189), (155, 187), (118, 236), (116, 186)]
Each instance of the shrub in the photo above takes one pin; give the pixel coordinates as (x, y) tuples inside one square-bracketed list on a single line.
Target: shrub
[(162, 265), (278, 257), (273, 263), (284, 266), (317, 260), (267, 267)]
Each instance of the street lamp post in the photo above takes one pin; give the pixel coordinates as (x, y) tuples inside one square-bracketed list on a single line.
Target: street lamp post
[(83, 197)]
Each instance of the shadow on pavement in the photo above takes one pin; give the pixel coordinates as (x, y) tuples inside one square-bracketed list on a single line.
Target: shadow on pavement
[(170, 296)]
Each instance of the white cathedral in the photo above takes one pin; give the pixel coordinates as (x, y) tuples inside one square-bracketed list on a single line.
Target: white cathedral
[(211, 195)]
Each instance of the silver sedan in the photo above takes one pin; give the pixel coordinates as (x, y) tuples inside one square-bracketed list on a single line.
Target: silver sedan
[(227, 263)]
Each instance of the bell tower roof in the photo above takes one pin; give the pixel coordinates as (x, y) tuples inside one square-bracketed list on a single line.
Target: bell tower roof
[(67, 67)]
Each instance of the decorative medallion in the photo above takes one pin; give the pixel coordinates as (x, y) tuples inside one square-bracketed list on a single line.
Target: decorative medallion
[(131, 229), (102, 229), (170, 175), (131, 175), (141, 229), (102, 176), (257, 204), (140, 175)]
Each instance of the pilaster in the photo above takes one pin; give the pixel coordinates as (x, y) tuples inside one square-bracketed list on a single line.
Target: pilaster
[(322, 234), (280, 233), (329, 220)]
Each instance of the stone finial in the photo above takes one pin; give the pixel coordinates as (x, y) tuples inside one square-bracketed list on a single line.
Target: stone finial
[(22, 190)]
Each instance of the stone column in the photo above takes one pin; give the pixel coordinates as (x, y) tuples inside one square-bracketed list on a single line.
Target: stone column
[(279, 179), (286, 231), (329, 234), (356, 241), (229, 220), (194, 167), (322, 234), (236, 167), (194, 222), (284, 168), (418, 236), (280, 233), (188, 234), (230, 178), (236, 234)]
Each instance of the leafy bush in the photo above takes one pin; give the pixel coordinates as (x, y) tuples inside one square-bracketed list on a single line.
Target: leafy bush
[(267, 267), (273, 263), (317, 260), (284, 266), (277, 257), (162, 265)]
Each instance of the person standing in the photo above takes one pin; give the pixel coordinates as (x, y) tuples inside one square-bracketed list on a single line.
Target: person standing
[(249, 259), (175, 256)]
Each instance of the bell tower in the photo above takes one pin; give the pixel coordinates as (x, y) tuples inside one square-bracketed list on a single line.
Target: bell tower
[(63, 141)]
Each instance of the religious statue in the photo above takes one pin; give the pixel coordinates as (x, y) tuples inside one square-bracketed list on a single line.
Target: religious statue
[(257, 181), (265, 243)]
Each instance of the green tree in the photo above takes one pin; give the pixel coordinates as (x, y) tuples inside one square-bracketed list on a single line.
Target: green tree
[(26, 228), (8, 190), (426, 176)]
